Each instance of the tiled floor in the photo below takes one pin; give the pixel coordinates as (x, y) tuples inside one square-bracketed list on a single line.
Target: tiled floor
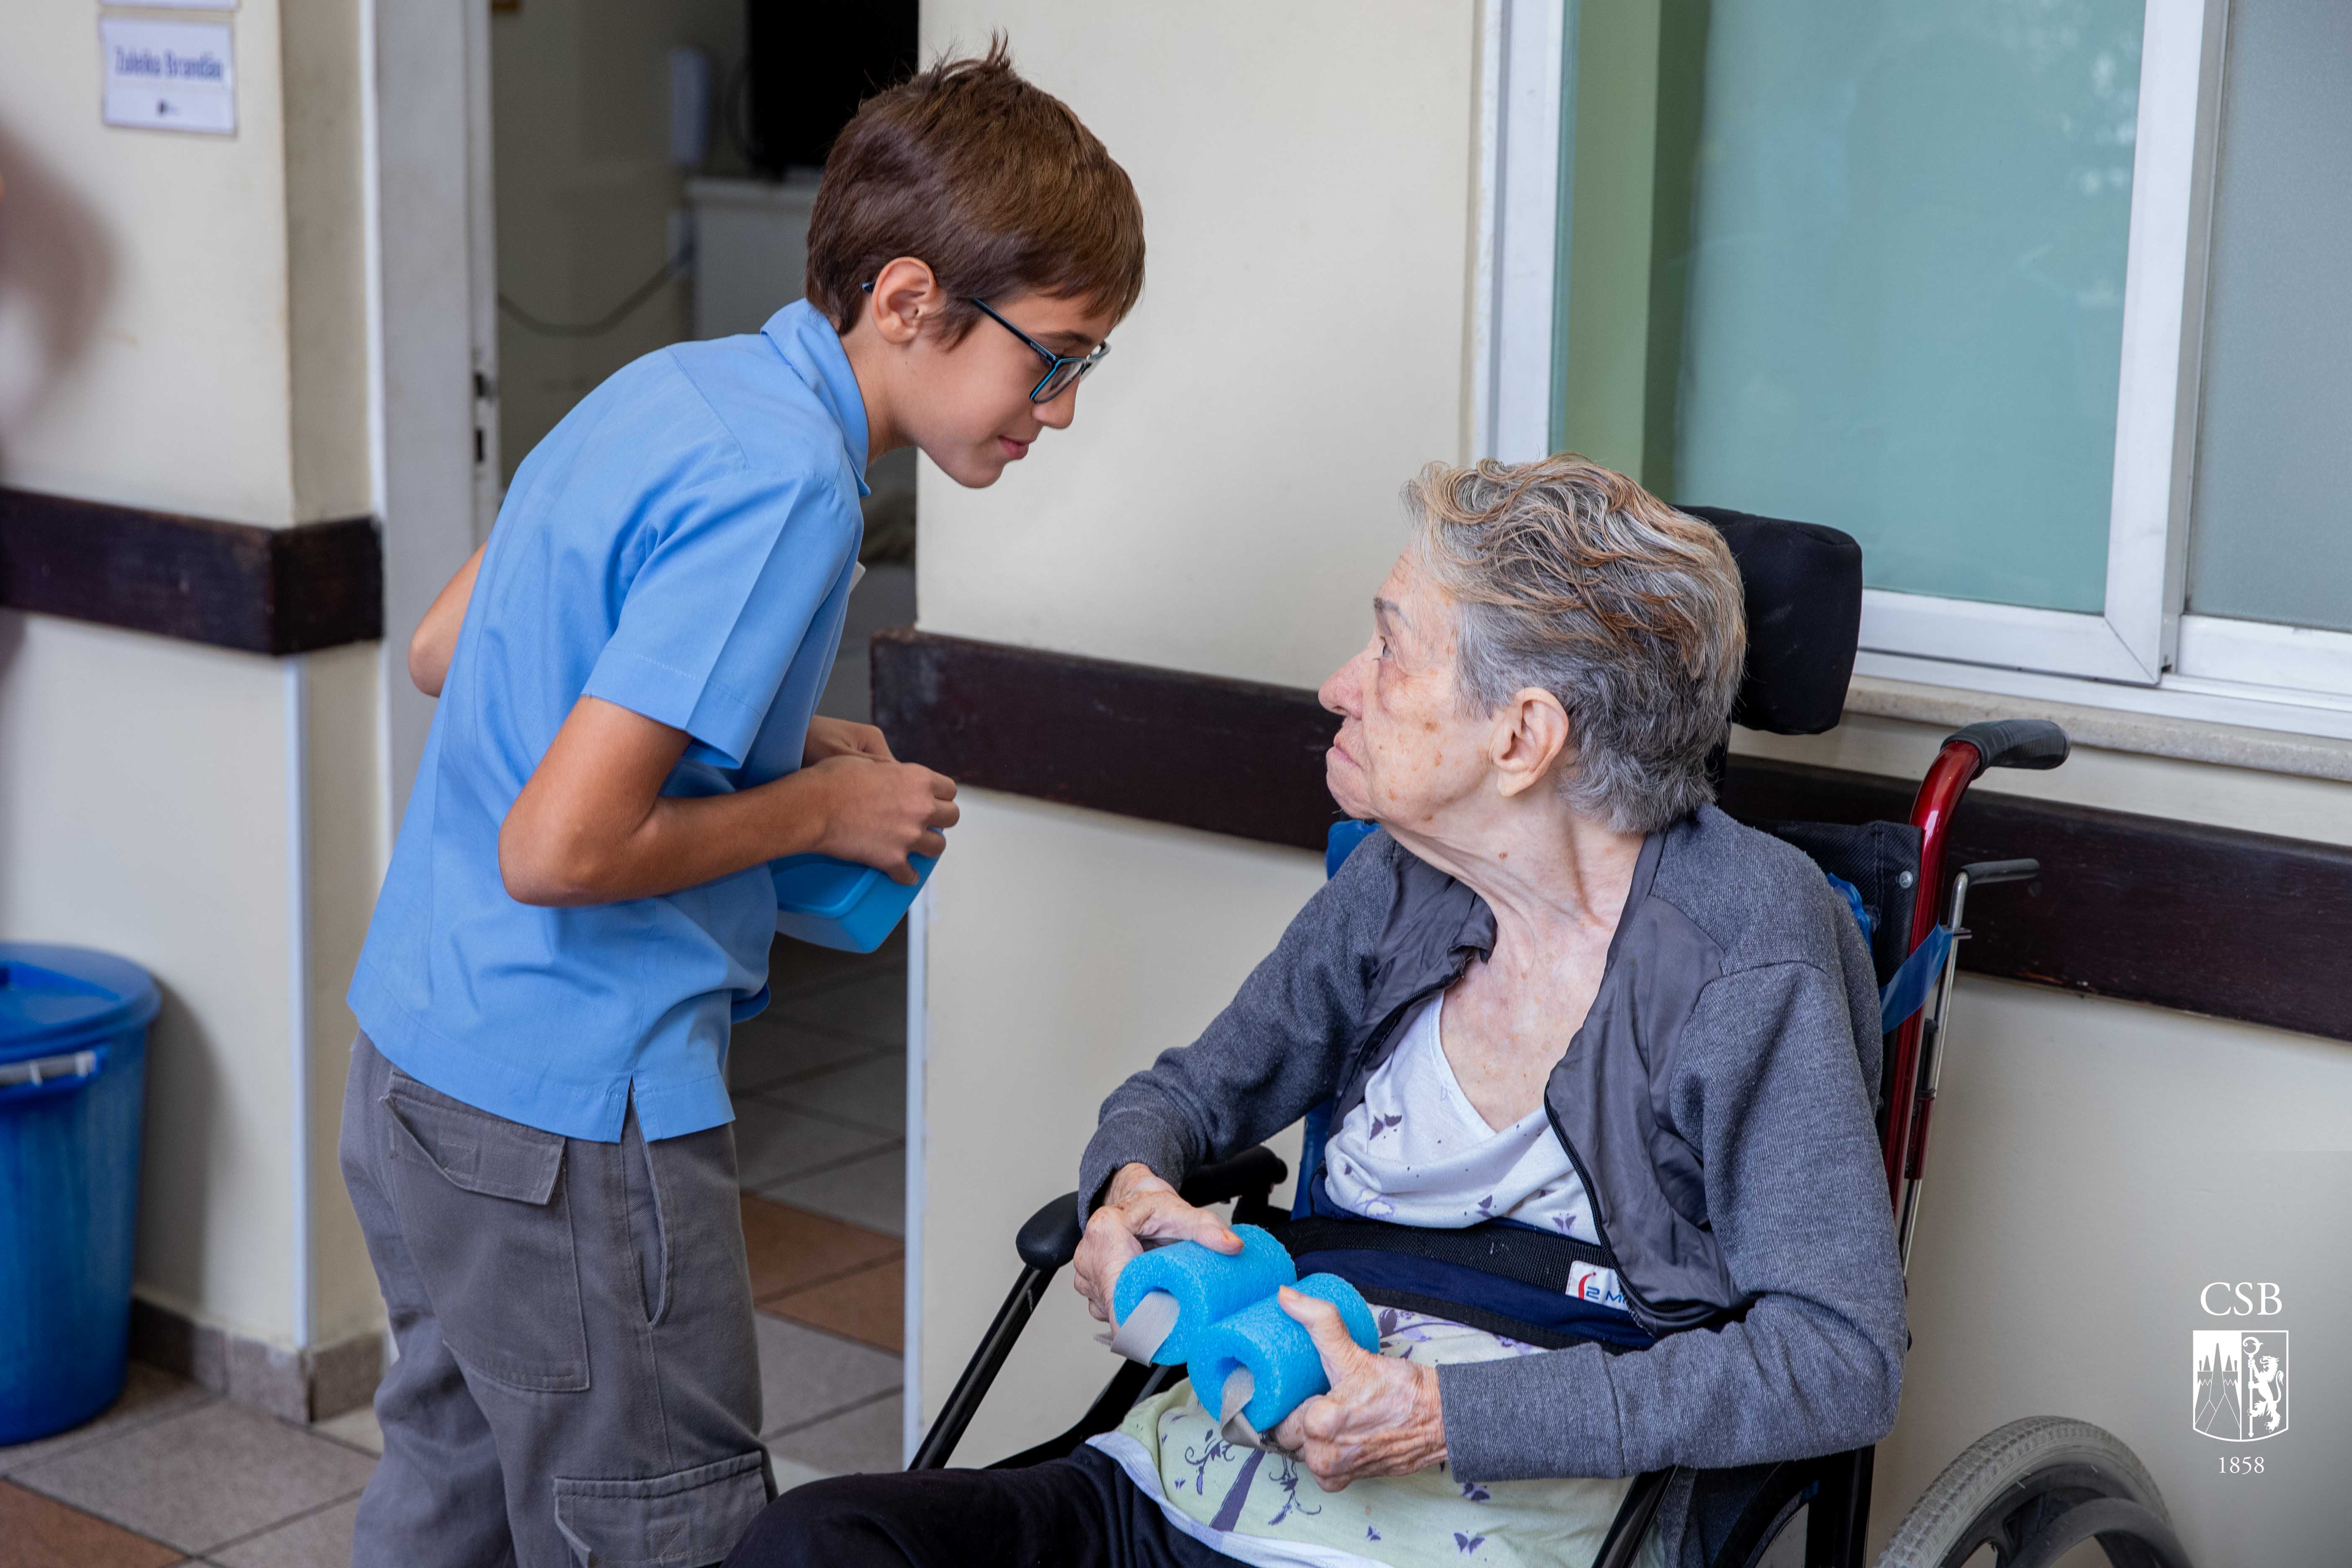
[(820, 1124), (172, 1475)]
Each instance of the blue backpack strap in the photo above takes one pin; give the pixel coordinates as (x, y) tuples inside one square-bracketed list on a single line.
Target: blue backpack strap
[(1853, 901), (1911, 985), (1907, 989), (1340, 843), (1317, 1132)]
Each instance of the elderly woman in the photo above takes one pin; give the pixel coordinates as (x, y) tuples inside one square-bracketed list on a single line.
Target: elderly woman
[(1561, 998)]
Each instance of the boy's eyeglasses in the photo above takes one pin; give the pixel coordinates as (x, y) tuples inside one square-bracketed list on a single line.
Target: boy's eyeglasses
[(1062, 371)]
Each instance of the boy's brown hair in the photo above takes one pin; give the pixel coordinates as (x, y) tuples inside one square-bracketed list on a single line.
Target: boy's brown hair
[(991, 181)]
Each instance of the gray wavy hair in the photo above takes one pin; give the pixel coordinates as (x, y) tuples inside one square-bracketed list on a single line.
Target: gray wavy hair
[(1570, 577)]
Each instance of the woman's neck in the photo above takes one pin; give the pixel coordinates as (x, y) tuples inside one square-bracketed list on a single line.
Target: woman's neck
[(1552, 875)]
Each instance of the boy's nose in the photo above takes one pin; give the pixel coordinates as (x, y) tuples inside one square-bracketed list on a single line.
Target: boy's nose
[(1057, 414)]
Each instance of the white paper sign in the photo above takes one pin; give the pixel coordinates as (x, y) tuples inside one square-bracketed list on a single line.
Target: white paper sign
[(169, 76)]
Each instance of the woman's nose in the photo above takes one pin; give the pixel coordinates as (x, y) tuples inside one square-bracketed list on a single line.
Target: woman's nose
[(1339, 693)]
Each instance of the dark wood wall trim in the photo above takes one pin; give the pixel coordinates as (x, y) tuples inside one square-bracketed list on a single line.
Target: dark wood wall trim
[(1200, 751), (231, 585), (2209, 920)]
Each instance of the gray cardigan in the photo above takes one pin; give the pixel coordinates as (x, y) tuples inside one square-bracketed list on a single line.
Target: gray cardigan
[(1739, 997)]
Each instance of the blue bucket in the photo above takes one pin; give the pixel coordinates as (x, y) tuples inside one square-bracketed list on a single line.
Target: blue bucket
[(73, 1076)]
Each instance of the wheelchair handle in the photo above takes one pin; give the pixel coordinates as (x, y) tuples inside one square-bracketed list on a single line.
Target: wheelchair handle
[(2036, 744)]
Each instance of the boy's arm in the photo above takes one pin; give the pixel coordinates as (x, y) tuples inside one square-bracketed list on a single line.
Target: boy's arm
[(436, 642), (591, 826)]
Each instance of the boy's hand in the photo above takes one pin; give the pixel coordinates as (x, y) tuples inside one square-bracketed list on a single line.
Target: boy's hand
[(841, 738), (879, 813)]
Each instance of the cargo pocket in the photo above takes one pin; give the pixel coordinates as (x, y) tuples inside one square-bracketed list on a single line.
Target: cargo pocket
[(484, 1213), (689, 1519)]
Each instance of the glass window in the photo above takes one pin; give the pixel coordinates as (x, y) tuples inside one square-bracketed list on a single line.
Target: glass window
[(1901, 289), (2272, 531)]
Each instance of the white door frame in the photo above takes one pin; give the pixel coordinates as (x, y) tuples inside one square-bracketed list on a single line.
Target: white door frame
[(433, 293)]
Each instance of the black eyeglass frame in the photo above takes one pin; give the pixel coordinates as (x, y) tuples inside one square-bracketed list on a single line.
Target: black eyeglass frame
[(1046, 391), (1047, 387)]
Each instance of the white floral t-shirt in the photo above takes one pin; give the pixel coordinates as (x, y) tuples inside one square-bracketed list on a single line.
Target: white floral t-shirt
[(1415, 1151)]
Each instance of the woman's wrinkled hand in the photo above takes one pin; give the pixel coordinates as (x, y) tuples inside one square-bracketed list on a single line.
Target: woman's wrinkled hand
[(1382, 1417), (1138, 1206)]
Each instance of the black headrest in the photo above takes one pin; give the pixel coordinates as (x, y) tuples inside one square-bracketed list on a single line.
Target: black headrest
[(1803, 585)]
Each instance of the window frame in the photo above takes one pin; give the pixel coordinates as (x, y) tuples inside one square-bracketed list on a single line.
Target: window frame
[(2141, 652), (1527, 66)]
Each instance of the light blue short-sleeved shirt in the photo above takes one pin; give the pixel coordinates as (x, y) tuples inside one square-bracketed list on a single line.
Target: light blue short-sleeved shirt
[(682, 544)]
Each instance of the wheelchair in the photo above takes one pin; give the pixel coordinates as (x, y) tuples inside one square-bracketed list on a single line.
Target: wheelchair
[(2030, 1492)]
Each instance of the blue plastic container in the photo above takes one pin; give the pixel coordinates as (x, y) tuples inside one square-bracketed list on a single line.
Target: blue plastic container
[(73, 1076), (839, 903)]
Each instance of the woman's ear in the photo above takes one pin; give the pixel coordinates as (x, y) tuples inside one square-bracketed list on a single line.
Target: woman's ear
[(1531, 733), (904, 295)]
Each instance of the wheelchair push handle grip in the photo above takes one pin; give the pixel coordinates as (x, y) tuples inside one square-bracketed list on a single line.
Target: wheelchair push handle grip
[(2036, 744)]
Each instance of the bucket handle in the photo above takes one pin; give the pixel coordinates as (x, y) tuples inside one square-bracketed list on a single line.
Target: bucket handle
[(50, 1075)]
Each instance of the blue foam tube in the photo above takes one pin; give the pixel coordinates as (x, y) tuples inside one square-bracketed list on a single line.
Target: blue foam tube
[(1283, 1363), (1207, 1284)]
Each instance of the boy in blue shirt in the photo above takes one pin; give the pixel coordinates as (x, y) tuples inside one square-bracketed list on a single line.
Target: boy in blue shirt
[(536, 1133)]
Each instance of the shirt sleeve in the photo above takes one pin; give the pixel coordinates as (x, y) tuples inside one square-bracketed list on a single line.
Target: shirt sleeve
[(717, 609)]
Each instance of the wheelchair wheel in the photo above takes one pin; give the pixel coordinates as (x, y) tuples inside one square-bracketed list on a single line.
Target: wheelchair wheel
[(2033, 1491)]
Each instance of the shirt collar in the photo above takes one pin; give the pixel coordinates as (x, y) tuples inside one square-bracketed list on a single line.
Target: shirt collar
[(814, 350)]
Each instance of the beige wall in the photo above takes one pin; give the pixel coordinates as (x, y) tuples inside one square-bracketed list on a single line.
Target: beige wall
[(2094, 1162), (1226, 500), (183, 326), (145, 274)]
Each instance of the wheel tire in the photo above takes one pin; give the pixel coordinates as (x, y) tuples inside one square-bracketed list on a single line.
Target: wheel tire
[(2018, 1479)]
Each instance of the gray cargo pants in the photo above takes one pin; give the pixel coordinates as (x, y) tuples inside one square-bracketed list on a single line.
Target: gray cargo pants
[(578, 1382)]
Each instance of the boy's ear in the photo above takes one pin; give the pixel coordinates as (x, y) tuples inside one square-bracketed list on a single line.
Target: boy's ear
[(905, 296)]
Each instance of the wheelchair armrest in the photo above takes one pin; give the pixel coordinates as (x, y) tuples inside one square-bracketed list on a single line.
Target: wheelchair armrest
[(1049, 1238), (1248, 1174)]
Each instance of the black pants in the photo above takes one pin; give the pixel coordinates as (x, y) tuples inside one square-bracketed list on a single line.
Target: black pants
[(1078, 1513)]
